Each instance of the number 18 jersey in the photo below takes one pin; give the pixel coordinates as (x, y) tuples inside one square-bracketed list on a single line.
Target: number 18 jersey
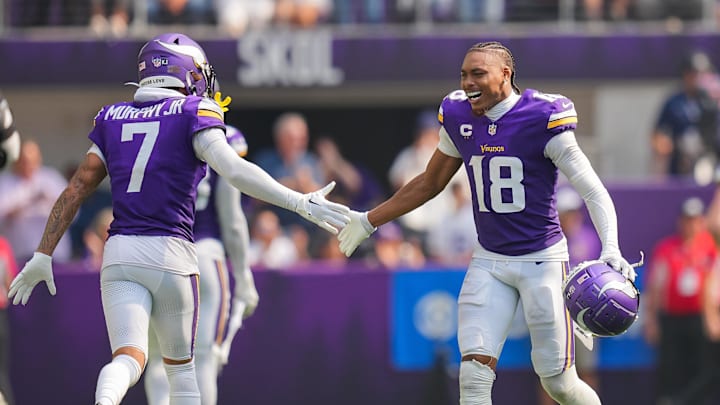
[(153, 170), (512, 180)]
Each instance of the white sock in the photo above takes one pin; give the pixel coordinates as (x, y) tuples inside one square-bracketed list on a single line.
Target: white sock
[(115, 379), (157, 388), (476, 381), (206, 367), (567, 389), (183, 384)]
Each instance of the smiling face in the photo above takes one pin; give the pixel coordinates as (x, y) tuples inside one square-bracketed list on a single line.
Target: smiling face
[(485, 78)]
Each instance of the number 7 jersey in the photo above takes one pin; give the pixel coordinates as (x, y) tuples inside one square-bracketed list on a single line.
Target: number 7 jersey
[(513, 182), (149, 156)]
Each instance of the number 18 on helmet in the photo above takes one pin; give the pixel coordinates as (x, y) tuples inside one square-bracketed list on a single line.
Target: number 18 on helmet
[(600, 299)]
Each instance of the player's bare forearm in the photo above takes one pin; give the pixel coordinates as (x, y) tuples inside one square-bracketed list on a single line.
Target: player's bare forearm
[(60, 219), (418, 191), (410, 196), (85, 180)]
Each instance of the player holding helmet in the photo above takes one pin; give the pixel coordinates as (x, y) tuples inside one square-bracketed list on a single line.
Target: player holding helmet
[(154, 150), (512, 144)]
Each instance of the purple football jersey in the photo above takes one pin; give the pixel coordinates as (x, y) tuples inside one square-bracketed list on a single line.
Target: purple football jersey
[(206, 216), (513, 183), (152, 166)]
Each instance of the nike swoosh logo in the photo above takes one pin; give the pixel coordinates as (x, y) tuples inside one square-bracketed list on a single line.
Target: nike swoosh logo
[(566, 105), (313, 202)]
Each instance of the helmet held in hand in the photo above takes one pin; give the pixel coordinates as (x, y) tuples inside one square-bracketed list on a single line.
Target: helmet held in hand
[(600, 299)]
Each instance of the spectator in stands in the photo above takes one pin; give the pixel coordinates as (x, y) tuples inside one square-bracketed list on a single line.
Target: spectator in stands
[(393, 251), (109, 17), (179, 12), (686, 132), (360, 11), (674, 285), (452, 240), (325, 249), (474, 11), (8, 270), (237, 16), (290, 161), (40, 13), (356, 185), (28, 194), (302, 13), (615, 10), (269, 246)]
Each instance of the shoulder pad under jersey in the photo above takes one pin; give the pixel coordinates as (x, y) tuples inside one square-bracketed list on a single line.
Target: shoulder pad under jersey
[(453, 100), (559, 109), (207, 107)]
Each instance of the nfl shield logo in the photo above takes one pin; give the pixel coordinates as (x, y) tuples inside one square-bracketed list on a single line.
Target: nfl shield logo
[(157, 61), (492, 129)]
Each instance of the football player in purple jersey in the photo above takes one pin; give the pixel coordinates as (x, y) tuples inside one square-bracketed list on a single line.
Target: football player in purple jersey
[(220, 229), (154, 149), (513, 145), (9, 136)]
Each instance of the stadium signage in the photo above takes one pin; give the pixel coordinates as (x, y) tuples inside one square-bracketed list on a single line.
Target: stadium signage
[(287, 58)]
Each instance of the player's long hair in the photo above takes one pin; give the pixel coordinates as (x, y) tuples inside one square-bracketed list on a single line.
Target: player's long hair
[(504, 53)]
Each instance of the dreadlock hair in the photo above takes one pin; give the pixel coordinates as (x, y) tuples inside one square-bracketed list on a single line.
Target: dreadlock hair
[(503, 52)]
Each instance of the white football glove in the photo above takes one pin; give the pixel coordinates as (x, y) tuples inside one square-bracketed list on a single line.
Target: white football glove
[(240, 310), (355, 232), (246, 294), (617, 262), (37, 269), (325, 214), (221, 354)]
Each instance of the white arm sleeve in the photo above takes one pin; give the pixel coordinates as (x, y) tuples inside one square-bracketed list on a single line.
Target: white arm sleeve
[(233, 226), (211, 146), (566, 154)]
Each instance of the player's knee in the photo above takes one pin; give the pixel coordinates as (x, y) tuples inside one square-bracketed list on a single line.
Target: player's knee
[(138, 355), (476, 381), (115, 379), (183, 382), (176, 362), (482, 359)]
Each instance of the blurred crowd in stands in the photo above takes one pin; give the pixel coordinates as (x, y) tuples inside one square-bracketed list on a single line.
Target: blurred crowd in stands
[(114, 17)]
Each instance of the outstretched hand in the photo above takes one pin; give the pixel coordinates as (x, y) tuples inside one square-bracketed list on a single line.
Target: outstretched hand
[(355, 232), (37, 269), (326, 214)]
